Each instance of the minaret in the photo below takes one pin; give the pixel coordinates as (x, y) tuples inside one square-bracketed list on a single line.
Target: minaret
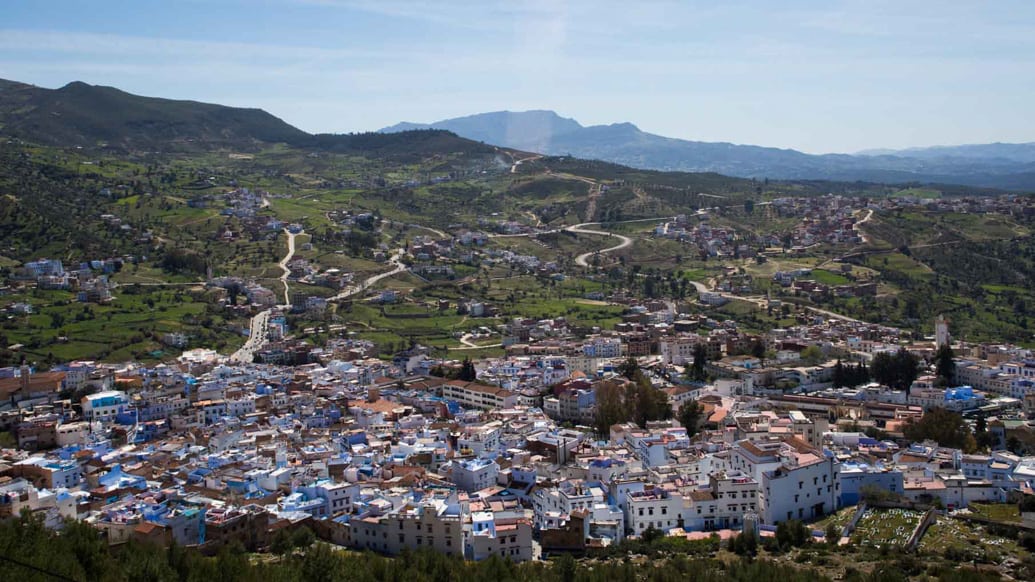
[(941, 331), (24, 373)]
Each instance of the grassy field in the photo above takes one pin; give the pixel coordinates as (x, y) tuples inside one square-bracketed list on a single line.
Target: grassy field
[(1006, 512), (961, 541), (130, 327), (453, 191), (829, 277), (418, 319), (929, 193), (898, 263)]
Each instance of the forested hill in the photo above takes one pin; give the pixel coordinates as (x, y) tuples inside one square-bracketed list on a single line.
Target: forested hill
[(82, 115)]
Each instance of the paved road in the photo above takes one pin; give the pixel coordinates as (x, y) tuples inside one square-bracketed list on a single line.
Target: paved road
[(862, 234), (369, 281), (761, 302), (434, 230), (259, 328), (470, 345), (258, 337), (514, 167), (283, 264), (833, 315), (582, 260)]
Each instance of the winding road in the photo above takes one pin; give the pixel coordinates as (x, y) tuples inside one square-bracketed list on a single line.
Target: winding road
[(762, 302), (258, 336), (514, 167), (862, 233), (582, 260), (470, 345), (369, 281), (259, 328), (284, 262)]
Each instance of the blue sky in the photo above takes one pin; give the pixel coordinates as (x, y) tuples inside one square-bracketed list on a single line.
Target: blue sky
[(820, 76)]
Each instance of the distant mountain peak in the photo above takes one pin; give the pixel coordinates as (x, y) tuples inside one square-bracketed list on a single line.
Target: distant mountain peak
[(544, 131)]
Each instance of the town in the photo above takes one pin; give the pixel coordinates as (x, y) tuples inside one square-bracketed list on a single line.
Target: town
[(572, 439), (526, 436)]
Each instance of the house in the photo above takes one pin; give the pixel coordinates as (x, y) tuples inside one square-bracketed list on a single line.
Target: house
[(478, 395)]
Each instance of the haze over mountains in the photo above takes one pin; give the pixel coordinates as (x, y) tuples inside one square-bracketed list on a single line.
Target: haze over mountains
[(1009, 166), (79, 114)]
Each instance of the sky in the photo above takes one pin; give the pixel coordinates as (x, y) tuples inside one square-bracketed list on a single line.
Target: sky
[(818, 76)]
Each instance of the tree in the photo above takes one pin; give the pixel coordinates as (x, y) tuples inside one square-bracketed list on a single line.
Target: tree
[(467, 371), (610, 407), (985, 439), (651, 534), (690, 416), (1027, 504), (840, 379), (897, 370), (812, 355), (943, 426), (758, 349), (700, 360), (792, 534), (745, 544), (833, 534), (637, 401), (281, 544), (303, 537), (566, 568), (645, 402), (945, 364), (629, 368)]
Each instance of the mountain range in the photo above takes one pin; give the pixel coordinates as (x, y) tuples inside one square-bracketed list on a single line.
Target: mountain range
[(998, 165), (83, 115)]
